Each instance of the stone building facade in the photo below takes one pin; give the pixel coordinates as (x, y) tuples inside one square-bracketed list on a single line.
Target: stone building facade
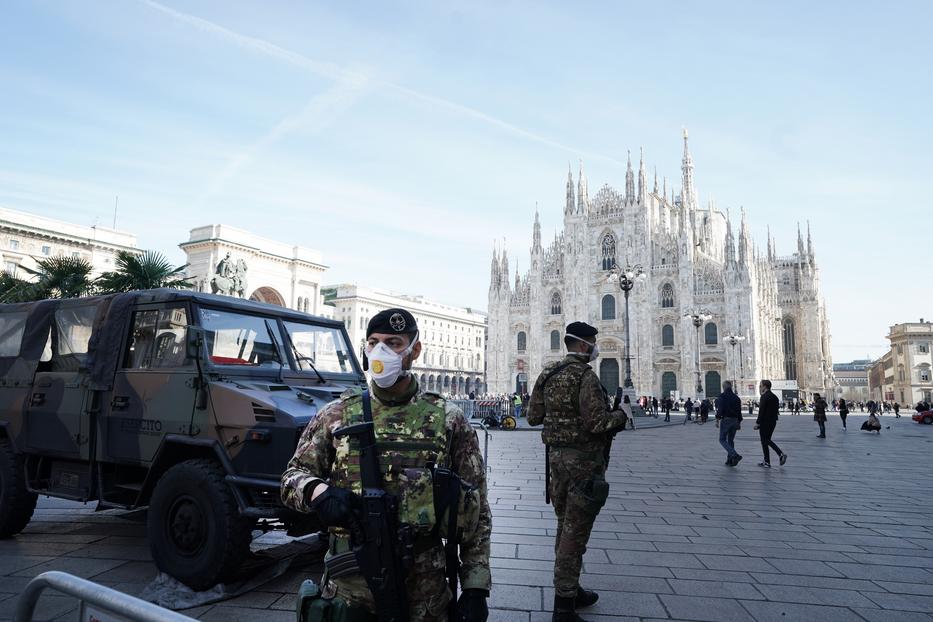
[(453, 338), (852, 380), (26, 238), (696, 260), (226, 260), (908, 365)]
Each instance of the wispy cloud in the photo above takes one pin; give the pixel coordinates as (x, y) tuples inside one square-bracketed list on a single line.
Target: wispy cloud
[(339, 73)]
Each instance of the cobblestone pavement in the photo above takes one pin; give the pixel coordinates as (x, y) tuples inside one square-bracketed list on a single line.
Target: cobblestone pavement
[(840, 533)]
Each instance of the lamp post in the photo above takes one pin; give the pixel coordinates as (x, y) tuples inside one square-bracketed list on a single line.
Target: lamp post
[(698, 317), (733, 340), (627, 277)]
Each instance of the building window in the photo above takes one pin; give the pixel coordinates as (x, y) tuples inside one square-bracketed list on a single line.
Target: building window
[(555, 303), (75, 255), (667, 336), (14, 244), (46, 250), (10, 267), (609, 307), (712, 334), (609, 252), (667, 296), (555, 340), (522, 341), (900, 373), (790, 350), (923, 348), (924, 375), (900, 348)]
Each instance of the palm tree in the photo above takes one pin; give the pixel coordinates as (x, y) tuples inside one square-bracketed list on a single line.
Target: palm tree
[(147, 271), (57, 277), (14, 289)]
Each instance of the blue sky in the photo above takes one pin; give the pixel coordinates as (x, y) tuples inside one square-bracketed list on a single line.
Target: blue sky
[(401, 139)]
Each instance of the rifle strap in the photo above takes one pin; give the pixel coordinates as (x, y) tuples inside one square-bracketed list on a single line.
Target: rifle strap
[(367, 406), (451, 549)]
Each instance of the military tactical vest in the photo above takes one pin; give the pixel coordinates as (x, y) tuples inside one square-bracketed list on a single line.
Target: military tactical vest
[(562, 407), (410, 440)]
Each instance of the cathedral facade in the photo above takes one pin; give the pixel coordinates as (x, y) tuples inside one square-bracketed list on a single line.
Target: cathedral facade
[(696, 262)]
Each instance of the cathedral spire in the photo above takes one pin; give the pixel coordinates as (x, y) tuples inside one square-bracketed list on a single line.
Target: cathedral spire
[(504, 274), (770, 245), (809, 241), (744, 246), (629, 181), (536, 236), (583, 198), (688, 193), (730, 241), (568, 207), (799, 242), (642, 177), (494, 269), (656, 180)]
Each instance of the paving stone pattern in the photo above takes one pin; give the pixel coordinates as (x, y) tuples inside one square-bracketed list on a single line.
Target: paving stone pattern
[(842, 532)]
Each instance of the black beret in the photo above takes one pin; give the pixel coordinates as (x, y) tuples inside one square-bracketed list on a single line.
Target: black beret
[(392, 321), (581, 329)]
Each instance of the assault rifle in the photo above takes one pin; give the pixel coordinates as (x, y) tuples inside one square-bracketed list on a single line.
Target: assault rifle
[(384, 552)]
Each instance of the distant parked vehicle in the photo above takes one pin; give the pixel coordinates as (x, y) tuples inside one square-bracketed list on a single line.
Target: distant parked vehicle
[(925, 416)]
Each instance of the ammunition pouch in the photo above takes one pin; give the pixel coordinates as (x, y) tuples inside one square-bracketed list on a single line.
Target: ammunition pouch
[(312, 606)]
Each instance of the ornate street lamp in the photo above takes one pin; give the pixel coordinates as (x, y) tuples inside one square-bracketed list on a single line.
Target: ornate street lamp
[(627, 277), (733, 340), (698, 317)]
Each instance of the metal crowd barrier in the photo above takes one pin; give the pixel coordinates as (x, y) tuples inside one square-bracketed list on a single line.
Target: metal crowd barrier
[(478, 409), (97, 602)]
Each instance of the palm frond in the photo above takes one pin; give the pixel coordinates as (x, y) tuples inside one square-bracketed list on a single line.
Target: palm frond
[(149, 270)]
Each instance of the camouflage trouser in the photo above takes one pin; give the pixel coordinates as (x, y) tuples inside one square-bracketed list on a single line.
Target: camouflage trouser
[(428, 592), (578, 492)]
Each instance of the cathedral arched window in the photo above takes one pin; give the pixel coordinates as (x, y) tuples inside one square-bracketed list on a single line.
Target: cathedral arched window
[(790, 350), (609, 307), (667, 296), (712, 334), (609, 251), (555, 303), (555, 340), (522, 341), (667, 336)]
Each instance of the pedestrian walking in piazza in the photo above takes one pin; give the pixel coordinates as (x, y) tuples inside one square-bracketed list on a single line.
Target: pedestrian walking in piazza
[(667, 408), (897, 410), (417, 430), (796, 407), (688, 408), (704, 411), (766, 422), (578, 429), (729, 412), (843, 412), (654, 405), (819, 414)]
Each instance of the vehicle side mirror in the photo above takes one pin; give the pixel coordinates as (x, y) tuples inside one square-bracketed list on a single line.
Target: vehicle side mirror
[(194, 339)]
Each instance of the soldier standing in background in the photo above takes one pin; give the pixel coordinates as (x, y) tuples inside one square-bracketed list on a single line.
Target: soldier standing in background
[(415, 431), (578, 428)]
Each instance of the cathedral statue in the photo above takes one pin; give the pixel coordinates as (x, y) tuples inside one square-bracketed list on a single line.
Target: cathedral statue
[(230, 278)]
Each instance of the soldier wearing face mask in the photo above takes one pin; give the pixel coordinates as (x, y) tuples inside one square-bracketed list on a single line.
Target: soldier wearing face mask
[(578, 425), (415, 433)]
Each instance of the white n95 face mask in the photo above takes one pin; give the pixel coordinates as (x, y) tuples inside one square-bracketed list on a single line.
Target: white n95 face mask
[(386, 365), (594, 352)]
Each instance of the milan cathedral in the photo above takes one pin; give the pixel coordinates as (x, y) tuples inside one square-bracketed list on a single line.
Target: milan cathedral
[(695, 263)]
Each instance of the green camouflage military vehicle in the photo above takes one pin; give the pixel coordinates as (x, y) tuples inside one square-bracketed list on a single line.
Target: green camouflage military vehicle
[(188, 403)]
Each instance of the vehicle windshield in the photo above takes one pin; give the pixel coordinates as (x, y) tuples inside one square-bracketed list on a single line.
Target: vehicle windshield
[(322, 347), (240, 339)]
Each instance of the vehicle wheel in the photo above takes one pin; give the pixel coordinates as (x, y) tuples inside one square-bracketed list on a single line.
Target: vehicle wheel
[(928, 420), (508, 423), (195, 531), (16, 503)]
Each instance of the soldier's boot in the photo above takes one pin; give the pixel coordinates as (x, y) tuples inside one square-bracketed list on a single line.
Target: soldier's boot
[(564, 610), (585, 598)]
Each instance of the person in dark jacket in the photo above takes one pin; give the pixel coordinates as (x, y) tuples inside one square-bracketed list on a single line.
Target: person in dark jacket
[(729, 412), (704, 410), (819, 414), (843, 412), (766, 422)]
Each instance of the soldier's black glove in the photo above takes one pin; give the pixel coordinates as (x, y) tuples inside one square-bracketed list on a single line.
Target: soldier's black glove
[(334, 507), (471, 607)]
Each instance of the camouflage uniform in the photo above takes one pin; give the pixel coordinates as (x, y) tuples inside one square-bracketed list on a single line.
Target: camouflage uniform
[(441, 430), (577, 422)]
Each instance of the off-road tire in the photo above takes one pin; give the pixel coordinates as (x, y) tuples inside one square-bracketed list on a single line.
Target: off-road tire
[(195, 531), (16, 503)]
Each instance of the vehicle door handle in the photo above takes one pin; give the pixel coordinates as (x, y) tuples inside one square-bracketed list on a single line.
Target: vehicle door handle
[(38, 399), (119, 402)]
